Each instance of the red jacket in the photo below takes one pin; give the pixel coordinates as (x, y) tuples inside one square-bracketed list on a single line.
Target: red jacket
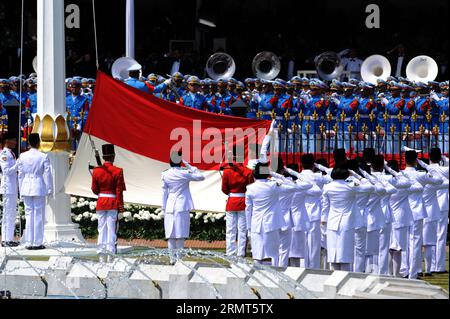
[(235, 180), (108, 179)]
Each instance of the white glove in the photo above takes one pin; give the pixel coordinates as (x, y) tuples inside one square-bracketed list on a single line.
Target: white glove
[(354, 174), (167, 82)]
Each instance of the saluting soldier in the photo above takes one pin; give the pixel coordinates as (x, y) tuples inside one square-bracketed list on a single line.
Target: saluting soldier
[(9, 190), (108, 184), (417, 205), (177, 202)]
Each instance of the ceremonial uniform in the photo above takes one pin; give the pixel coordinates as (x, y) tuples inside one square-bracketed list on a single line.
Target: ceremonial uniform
[(349, 106), (177, 203), (438, 258), (264, 218), (108, 184), (339, 201), (235, 179), (194, 100), (313, 205), (9, 190), (392, 185), (35, 183), (419, 213)]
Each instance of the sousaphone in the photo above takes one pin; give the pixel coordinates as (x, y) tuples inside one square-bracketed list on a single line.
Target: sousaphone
[(220, 66), (422, 68), (119, 69), (375, 67), (266, 65)]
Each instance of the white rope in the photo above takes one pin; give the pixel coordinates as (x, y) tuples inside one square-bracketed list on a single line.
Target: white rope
[(95, 33), (19, 140)]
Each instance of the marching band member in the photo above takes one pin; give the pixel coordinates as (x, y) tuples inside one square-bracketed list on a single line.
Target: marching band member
[(177, 202), (193, 98)]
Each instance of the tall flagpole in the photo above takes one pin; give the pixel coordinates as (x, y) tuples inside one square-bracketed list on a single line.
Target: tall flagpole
[(129, 29), (51, 102)]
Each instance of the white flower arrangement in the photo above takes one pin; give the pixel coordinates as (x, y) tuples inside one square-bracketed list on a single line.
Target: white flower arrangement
[(84, 209)]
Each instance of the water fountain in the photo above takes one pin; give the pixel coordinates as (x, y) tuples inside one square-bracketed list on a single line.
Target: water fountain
[(146, 273)]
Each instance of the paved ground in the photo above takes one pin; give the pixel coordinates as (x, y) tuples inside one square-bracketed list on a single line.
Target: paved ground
[(159, 243)]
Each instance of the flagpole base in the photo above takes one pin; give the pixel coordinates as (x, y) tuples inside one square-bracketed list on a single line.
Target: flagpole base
[(63, 233)]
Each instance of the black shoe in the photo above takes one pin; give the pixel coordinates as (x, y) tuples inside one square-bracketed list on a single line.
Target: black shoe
[(420, 274), (4, 244), (29, 247), (39, 247), (12, 244), (427, 274)]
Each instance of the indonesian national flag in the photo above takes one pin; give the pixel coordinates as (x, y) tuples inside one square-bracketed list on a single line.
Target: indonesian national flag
[(144, 130)]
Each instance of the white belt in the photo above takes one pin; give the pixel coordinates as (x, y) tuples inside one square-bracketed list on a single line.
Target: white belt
[(283, 118), (267, 113), (106, 195), (236, 195), (364, 116)]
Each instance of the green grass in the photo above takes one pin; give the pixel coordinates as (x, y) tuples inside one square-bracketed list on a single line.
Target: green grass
[(439, 279)]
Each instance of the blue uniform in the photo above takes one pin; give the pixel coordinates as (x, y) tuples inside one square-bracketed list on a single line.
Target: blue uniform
[(172, 97), (76, 105), (266, 105), (32, 102), (138, 85), (194, 100), (223, 103)]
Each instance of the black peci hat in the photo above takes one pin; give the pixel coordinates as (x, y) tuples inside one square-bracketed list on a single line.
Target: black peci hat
[(435, 154), (410, 156), (108, 149)]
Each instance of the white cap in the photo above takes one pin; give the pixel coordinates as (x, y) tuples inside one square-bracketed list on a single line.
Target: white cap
[(135, 67)]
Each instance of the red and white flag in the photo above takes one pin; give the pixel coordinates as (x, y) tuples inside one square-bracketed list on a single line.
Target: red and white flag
[(144, 130)]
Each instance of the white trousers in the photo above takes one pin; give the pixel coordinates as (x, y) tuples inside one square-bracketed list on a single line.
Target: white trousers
[(415, 248), (9, 216), (383, 253), (285, 246), (174, 246), (34, 218), (313, 240), (438, 257), (107, 231), (236, 233), (359, 264)]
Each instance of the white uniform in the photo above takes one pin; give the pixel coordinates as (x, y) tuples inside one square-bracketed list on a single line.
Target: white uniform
[(438, 258), (35, 183), (419, 213), (301, 220), (313, 205), (340, 204), (375, 223), (9, 189), (286, 229), (264, 217), (360, 226), (391, 185), (177, 200)]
